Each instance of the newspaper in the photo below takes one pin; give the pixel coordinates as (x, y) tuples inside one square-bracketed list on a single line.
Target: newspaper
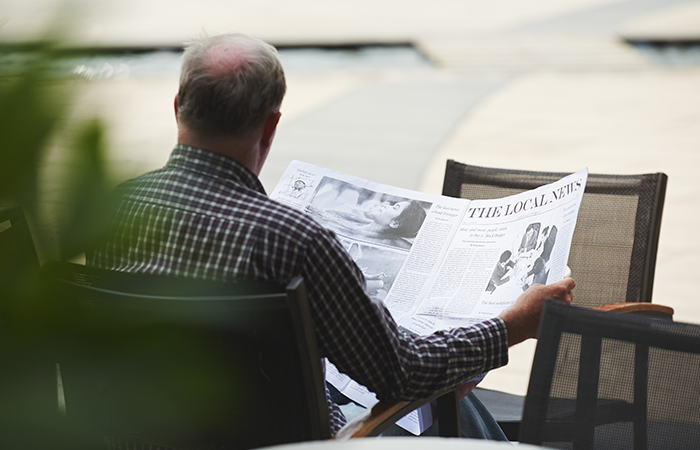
[(438, 262)]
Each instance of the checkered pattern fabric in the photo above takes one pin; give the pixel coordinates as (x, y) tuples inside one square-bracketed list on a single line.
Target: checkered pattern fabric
[(206, 216)]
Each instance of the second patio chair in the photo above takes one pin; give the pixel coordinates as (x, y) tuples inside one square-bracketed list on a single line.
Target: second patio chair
[(604, 381), (613, 251)]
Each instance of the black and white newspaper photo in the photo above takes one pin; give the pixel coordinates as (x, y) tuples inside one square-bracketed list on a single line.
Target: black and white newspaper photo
[(438, 262), (362, 214)]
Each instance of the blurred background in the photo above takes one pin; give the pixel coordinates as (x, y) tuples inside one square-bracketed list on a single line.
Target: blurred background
[(389, 90)]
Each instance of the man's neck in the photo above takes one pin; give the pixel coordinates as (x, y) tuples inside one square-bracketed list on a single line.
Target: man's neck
[(243, 150)]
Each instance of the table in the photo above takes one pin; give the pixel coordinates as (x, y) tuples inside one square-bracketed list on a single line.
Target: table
[(404, 443)]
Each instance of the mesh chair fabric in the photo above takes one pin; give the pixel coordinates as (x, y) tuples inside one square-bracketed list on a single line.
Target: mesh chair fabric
[(603, 381)]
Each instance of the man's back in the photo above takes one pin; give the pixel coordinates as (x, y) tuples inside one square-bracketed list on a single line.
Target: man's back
[(206, 216)]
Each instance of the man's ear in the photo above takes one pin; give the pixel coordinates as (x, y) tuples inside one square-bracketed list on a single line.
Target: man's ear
[(394, 224), (269, 129), (177, 107)]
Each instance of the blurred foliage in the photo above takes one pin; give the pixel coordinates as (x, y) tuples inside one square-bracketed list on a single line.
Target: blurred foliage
[(34, 106), (35, 101), (28, 116), (85, 217), (55, 169)]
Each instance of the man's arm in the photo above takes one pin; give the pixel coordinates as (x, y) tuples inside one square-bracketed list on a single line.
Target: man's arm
[(363, 341)]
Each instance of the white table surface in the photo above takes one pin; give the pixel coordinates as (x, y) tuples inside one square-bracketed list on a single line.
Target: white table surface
[(405, 443)]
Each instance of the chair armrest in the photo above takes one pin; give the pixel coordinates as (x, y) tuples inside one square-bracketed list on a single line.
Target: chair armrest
[(374, 421), (650, 309)]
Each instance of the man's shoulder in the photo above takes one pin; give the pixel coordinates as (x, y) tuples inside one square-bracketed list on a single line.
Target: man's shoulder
[(223, 199), (277, 214)]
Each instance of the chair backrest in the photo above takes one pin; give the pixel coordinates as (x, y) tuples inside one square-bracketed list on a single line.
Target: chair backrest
[(613, 252), (602, 380), (26, 385), (185, 363), (18, 258)]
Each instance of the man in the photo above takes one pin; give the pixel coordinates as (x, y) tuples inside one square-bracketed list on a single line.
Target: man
[(206, 215)]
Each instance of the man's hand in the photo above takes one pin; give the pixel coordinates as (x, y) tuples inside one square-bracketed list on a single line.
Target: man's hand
[(523, 318)]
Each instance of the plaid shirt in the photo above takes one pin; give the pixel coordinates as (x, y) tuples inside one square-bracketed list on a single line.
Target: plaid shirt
[(206, 216)]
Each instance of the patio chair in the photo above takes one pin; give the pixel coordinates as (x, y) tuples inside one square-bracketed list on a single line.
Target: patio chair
[(606, 381), (613, 251), (180, 363), (26, 382), (18, 258)]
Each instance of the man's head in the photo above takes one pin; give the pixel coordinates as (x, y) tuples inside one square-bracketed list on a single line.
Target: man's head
[(505, 256), (229, 85), (532, 230)]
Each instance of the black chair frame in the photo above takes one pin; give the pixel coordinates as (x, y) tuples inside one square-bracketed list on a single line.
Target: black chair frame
[(580, 422), (238, 317)]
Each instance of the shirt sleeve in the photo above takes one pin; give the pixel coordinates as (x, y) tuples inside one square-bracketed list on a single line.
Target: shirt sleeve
[(361, 338)]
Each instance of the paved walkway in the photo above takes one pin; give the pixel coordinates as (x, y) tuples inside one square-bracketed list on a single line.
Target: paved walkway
[(530, 84)]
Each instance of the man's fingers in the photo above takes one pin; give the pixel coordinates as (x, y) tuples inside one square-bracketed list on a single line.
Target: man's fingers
[(561, 290), (570, 285)]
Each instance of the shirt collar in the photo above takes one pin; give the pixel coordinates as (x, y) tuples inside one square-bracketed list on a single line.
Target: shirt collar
[(213, 164)]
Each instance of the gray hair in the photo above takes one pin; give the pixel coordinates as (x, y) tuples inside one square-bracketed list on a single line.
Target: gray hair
[(233, 101)]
